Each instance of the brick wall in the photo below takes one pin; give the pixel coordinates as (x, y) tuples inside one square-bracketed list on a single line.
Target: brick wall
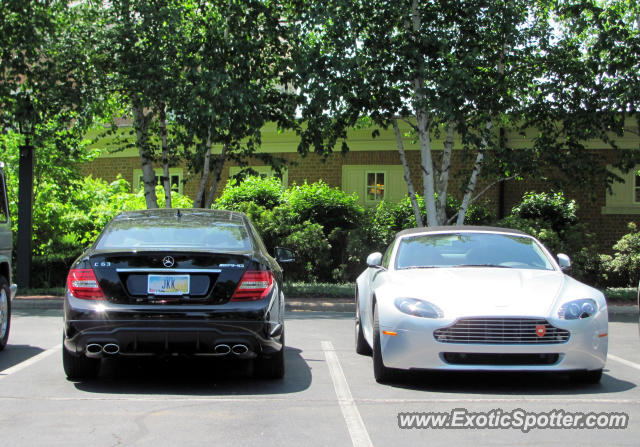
[(609, 228)]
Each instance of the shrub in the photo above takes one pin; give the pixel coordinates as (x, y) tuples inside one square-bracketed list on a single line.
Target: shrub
[(330, 207), (65, 222), (264, 192), (551, 208), (553, 220), (625, 263), (390, 217), (319, 222)]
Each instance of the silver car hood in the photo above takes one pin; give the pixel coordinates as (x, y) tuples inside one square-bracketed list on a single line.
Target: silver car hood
[(474, 291)]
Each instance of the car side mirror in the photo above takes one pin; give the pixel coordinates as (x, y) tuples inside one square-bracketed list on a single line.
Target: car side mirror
[(374, 259), (564, 262), (284, 255)]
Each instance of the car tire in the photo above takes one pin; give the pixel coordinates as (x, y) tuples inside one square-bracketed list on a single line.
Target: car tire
[(271, 368), (592, 377), (79, 367), (5, 312), (362, 347), (382, 373)]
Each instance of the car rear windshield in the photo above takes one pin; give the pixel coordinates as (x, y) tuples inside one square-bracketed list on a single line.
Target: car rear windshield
[(218, 236), (471, 250)]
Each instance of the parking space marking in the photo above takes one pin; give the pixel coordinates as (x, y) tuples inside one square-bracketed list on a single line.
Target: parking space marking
[(357, 429), (623, 361), (35, 359)]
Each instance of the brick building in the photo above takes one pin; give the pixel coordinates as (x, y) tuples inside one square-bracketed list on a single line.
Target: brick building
[(372, 162)]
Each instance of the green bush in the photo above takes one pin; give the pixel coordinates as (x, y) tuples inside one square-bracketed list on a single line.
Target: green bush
[(330, 207), (552, 208), (553, 220), (390, 217), (264, 192), (319, 222), (66, 222), (624, 266)]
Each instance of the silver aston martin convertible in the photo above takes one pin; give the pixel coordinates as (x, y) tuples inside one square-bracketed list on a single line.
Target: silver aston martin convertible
[(477, 298)]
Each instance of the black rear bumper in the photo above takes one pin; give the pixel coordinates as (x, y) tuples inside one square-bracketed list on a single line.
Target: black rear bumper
[(155, 330)]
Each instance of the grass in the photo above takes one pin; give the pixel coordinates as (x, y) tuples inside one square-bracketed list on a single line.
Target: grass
[(320, 290), (625, 294), (56, 291)]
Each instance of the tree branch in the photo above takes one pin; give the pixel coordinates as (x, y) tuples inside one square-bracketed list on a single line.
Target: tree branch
[(454, 217)]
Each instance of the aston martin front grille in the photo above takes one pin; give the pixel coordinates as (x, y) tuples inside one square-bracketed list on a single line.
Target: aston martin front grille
[(501, 331)]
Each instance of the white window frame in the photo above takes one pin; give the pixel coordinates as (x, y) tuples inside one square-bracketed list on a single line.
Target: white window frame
[(635, 184), (384, 185), (137, 177)]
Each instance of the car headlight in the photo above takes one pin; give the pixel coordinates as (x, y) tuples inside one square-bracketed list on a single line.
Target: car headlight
[(578, 309), (418, 308)]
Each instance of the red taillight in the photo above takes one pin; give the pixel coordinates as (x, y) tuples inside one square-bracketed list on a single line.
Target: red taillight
[(82, 283), (254, 285)]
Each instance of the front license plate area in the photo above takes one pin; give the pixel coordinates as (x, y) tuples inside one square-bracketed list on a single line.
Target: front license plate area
[(168, 285)]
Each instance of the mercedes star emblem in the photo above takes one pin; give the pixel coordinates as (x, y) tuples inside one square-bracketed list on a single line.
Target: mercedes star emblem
[(168, 261)]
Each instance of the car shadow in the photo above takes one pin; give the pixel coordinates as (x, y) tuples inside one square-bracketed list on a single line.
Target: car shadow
[(506, 383), (195, 377), (15, 354)]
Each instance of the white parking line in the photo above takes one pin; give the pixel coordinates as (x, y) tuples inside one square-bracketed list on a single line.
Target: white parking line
[(357, 430), (623, 361), (29, 362)]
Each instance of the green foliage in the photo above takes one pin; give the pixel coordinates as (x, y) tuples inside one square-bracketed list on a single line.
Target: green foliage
[(322, 224), (330, 207), (263, 192), (69, 211), (624, 266), (552, 219), (552, 208), (391, 217), (318, 290)]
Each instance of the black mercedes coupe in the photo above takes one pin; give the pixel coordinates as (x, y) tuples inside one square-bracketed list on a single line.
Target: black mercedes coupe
[(176, 281)]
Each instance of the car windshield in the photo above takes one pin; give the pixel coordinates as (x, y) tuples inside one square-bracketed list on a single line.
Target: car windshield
[(471, 250), (186, 233)]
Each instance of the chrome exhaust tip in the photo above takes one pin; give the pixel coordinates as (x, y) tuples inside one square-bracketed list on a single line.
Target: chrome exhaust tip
[(222, 349), (111, 349), (240, 349), (93, 350)]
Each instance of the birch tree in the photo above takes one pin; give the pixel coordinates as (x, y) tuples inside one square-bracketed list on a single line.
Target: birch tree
[(140, 42), (234, 57), (462, 72)]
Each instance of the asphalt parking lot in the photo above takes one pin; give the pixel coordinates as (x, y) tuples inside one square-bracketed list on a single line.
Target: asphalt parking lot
[(328, 396)]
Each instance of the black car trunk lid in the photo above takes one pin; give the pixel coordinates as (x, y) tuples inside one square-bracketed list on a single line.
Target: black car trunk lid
[(169, 277)]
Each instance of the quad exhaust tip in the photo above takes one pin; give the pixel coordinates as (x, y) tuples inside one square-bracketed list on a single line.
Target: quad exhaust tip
[(240, 349), (222, 349), (94, 350), (111, 349)]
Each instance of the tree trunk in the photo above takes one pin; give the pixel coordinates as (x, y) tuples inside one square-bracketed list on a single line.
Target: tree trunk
[(423, 129), (141, 123), (199, 202), (480, 157), (407, 176), (166, 179), (217, 171), (443, 181), (477, 167)]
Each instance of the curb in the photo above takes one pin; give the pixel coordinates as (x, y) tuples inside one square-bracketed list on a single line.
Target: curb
[(291, 305)]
